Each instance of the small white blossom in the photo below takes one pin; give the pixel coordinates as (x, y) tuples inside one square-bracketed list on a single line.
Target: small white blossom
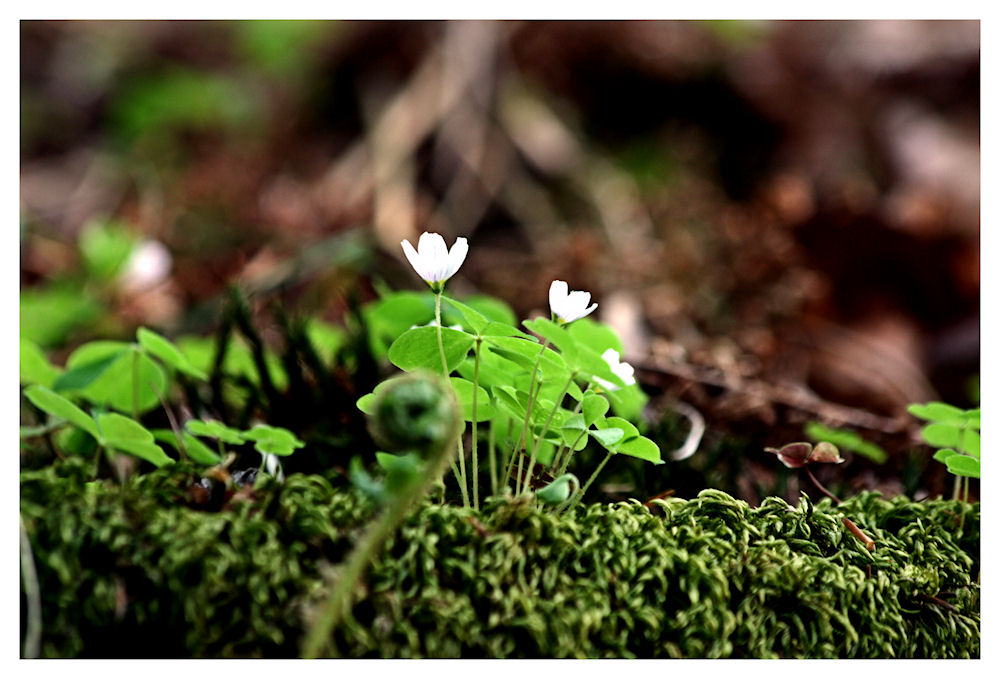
[(433, 324), (623, 370), (568, 306), (147, 266), (432, 261), (273, 466)]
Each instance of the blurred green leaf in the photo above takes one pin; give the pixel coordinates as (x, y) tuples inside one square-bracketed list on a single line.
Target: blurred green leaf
[(163, 349), (936, 412), (595, 336), (180, 99), (326, 339), (273, 440), (82, 376), (105, 246), (963, 465), (33, 366), (54, 404), (216, 430), (128, 436), (282, 47), (49, 315), (848, 440), (131, 371), (195, 449)]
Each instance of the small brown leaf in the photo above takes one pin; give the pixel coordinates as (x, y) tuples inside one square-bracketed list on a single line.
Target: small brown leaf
[(793, 455), (826, 452)]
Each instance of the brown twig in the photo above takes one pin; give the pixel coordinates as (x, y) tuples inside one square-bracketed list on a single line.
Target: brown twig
[(850, 525), (783, 394)]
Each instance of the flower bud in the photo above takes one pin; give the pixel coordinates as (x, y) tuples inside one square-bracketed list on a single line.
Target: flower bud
[(416, 412)]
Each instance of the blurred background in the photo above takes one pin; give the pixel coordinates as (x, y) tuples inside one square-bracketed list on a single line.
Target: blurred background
[(781, 219)]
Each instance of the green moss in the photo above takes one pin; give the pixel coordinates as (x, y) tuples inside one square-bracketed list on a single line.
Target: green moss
[(135, 571)]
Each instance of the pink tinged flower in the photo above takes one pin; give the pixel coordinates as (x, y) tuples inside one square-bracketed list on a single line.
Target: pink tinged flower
[(797, 455), (623, 370), (431, 259), (568, 306)]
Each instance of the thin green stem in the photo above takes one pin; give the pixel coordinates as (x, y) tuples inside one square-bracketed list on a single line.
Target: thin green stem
[(32, 594), (339, 602), (462, 482), (537, 442), (522, 439), (583, 491), (492, 451), (557, 460), (461, 467), (437, 319), (135, 385), (475, 427)]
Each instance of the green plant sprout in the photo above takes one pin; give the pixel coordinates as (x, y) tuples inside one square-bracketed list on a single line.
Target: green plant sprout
[(955, 433), (542, 397), (800, 455)]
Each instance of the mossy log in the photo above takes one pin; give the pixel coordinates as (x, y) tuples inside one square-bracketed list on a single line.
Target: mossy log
[(138, 571)]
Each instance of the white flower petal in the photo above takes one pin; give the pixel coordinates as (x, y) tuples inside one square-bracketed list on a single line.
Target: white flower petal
[(415, 259), (457, 256), (623, 370), (558, 291)]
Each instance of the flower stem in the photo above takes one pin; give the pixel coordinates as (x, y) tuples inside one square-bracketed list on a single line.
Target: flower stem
[(464, 487), (527, 418), (135, 385), (462, 482), (583, 491), (821, 487), (536, 442), (339, 602), (475, 428), (558, 463), (492, 452)]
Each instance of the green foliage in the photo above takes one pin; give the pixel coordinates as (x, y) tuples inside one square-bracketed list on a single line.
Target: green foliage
[(128, 436), (269, 440), (556, 388), (105, 247), (417, 349), (847, 440), (216, 430), (109, 375), (115, 375), (955, 432), (282, 48), (135, 571), (178, 100), (57, 406), (49, 315), (160, 347), (34, 367)]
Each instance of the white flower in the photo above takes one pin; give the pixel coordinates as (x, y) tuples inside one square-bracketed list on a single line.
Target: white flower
[(147, 266), (623, 370), (568, 306), (273, 465), (432, 261), (434, 324)]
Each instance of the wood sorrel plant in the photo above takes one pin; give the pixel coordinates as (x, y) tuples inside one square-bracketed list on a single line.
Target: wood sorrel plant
[(540, 397)]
